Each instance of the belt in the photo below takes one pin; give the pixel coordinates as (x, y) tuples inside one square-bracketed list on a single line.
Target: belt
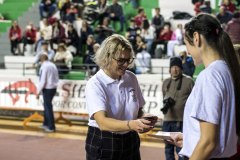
[(98, 132), (186, 158)]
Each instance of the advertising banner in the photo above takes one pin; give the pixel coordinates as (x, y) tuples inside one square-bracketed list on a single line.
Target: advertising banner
[(21, 94)]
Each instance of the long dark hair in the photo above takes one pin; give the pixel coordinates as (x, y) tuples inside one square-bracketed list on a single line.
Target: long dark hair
[(210, 28)]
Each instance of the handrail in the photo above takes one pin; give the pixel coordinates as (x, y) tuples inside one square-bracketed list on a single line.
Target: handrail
[(163, 70)]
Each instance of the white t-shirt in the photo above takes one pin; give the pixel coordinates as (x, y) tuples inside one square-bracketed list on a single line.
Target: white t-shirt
[(143, 61), (121, 99), (212, 100)]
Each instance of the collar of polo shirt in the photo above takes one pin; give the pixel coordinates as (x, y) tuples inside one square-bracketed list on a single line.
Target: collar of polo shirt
[(108, 80)]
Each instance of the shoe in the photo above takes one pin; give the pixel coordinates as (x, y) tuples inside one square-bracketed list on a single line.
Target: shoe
[(49, 130), (43, 127)]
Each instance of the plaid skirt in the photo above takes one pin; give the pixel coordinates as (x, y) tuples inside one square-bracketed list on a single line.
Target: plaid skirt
[(104, 145)]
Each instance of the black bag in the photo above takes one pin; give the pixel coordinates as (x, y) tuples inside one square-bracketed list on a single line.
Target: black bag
[(158, 52), (181, 15), (194, 1)]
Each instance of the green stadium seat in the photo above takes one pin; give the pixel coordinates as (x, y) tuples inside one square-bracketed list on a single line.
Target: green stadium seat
[(77, 60), (75, 75)]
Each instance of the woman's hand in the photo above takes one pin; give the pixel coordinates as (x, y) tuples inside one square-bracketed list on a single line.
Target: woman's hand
[(151, 118), (177, 139), (140, 125)]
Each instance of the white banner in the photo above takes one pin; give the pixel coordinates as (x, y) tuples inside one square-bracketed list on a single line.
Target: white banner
[(21, 94)]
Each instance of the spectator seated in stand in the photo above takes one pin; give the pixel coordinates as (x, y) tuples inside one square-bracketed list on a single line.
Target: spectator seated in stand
[(46, 29), (15, 37), (103, 31), (102, 8), (143, 61), (47, 8), (29, 39), (89, 60), (63, 6), (45, 48), (63, 60), (72, 40), (71, 14), (132, 32), (233, 28), (148, 32), (224, 16), (79, 5), (140, 17), (157, 21), (86, 30), (187, 64), (89, 52), (197, 5), (58, 33), (115, 12), (229, 6), (176, 39), (163, 38), (206, 7)]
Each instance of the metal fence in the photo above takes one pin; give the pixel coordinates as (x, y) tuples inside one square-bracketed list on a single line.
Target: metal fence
[(83, 71)]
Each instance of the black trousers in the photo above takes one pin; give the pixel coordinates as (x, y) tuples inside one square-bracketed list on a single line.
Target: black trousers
[(104, 145), (48, 95)]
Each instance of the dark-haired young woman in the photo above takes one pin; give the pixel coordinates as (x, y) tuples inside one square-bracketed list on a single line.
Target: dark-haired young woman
[(211, 116)]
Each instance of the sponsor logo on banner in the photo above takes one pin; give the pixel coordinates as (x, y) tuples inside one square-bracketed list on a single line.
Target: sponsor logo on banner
[(14, 90)]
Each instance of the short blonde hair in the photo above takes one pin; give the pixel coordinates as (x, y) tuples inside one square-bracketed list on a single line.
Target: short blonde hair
[(110, 48)]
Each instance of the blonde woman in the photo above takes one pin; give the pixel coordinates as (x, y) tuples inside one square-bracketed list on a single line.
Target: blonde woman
[(114, 102)]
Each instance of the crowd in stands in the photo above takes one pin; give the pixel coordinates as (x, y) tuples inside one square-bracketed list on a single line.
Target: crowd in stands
[(72, 28)]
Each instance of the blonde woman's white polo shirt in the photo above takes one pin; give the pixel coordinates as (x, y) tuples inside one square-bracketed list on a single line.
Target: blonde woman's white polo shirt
[(121, 99)]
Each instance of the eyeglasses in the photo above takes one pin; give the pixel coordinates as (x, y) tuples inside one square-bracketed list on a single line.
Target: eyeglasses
[(122, 61)]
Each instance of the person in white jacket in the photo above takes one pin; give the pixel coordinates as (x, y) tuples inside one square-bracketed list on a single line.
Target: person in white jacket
[(177, 39), (63, 59)]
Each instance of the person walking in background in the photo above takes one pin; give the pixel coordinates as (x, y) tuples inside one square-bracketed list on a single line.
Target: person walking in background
[(212, 114), (114, 102), (48, 80), (176, 90)]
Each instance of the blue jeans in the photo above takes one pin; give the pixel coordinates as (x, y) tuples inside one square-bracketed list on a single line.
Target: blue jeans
[(48, 9), (48, 95), (172, 126)]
